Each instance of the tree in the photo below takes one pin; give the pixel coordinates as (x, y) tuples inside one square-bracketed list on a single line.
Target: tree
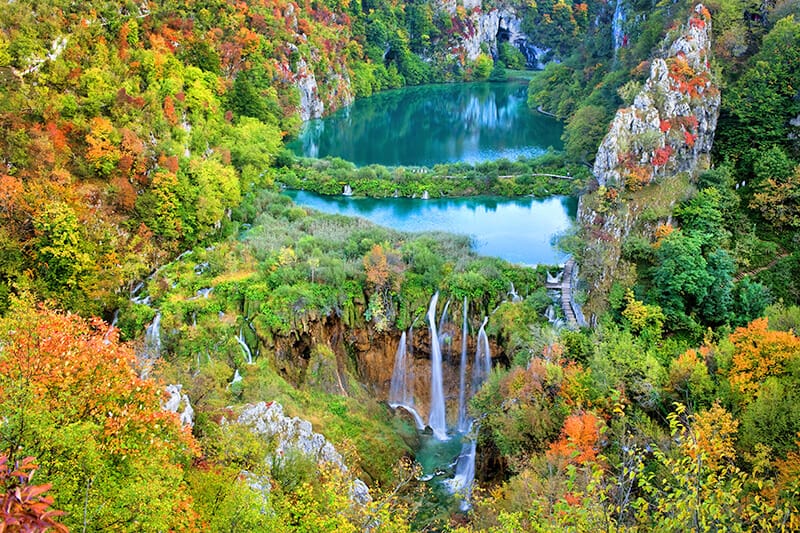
[(778, 200), (70, 396), (584, 132), (760, 353)]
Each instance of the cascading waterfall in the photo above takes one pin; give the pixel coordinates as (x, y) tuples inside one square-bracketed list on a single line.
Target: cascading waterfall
[(513, 293), (482, 364), (152, 338), (462, 373), (436, 419), (245, 348), (461, 483), (401, 391), (617, 32)]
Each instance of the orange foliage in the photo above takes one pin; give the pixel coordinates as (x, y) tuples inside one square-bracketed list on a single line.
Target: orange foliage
[(714, 435), (661, 156), (580, 440), (76, 367), (662, 230), (760, 353)]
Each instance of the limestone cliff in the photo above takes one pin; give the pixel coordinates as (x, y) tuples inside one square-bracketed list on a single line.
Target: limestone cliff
[(487, 24), (651, 152), (326, 89)]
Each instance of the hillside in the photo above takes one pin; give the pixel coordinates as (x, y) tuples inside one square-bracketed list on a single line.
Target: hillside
[(184, 349)]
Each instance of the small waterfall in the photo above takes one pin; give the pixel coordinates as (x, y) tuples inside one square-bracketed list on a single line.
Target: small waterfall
[(205, 292), (425, 195), (237, 377), (152, 338), (245, 348), (348, 191), (462, 373), (436, 419), (513, 293), (482, 366), (111, 326), (618, 35)]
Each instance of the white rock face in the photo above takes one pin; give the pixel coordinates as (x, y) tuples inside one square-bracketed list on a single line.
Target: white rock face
[(488, 24), (295, 434), (178, 402), (311, 105), (673, 116)]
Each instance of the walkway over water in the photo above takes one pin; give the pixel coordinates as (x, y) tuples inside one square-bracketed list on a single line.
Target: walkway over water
[(569, 278)]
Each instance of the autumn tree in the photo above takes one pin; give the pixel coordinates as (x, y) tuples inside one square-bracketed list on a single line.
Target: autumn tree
[(759, 353), (69, 395), (384, 269)]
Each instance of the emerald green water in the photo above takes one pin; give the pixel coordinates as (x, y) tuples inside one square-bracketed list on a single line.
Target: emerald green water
[(519, 230), (422, 126)]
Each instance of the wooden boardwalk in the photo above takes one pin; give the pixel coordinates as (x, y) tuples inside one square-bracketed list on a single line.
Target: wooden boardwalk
[(565, 286)]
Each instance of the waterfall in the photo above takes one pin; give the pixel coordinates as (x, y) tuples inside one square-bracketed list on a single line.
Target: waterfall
[(461, 483), (482, 365), (152, 338), (400, 392), (618, 36), (436, 419), (348, 191), (237, 377), (513, 293), (445, 333), (462, 373), (245, 348), (425, 195)]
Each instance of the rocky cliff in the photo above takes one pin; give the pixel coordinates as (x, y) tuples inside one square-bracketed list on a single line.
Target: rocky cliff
[(487, 24), (664, 137)]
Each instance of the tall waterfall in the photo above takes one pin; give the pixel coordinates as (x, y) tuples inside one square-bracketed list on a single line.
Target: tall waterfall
[(436, 420), (462, 373), (617, 32), (245, 348), (461, 483)]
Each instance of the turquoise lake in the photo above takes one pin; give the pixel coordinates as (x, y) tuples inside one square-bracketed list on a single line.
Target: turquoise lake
[(422, 126), (518, 230)]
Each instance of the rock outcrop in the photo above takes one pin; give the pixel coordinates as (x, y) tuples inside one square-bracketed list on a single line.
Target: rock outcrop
[(670, 127), (667, 134), (319, 91), (295, 435), (178, 402)]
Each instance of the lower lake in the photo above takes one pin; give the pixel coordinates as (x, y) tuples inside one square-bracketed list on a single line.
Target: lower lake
[(519, 230), (422, 126)]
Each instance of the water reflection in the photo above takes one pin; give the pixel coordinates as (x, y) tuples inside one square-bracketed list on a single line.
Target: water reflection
[(519, 230), (433, 124)]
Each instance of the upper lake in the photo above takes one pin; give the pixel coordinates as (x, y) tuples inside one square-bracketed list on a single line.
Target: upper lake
[(423, 126)]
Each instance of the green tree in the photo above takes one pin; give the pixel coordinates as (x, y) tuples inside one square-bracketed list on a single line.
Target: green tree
[(584, 132)]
